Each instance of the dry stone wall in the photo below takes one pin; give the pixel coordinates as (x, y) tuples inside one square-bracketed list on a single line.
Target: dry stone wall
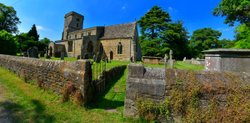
[(160, 84), (52, 75)]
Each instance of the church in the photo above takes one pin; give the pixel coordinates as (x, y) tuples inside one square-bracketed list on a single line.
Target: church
[(115, 42)]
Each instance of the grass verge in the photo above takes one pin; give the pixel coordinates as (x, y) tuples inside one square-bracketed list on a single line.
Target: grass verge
[(29, 103)]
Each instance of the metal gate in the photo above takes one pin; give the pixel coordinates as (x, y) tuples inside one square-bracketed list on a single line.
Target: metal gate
[(98, 75)]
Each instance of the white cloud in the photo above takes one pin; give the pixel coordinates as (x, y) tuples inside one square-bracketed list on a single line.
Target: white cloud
[(170, 8), (39, 28)]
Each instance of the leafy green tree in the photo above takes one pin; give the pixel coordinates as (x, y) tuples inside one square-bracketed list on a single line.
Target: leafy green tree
[(204, 39), (45, 41), (151, 47), (8, 44), (8, 19), (234, 10), (33, 33), (226, 43), (175, 37), (153, 22), (159, 34), (242, 37), (22, 39)]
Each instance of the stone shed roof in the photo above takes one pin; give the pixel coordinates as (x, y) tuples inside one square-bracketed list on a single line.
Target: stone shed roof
[(119, 31), (218, 51)]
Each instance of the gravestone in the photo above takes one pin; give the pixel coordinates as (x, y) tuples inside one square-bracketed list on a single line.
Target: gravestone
[(62, 55), (171, 62), (184, 59), (33, 52), (166, 60)]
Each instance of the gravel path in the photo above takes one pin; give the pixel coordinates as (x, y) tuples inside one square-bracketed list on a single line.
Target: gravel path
[(4, 113)]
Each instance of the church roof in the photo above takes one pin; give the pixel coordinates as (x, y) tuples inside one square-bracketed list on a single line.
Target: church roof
[(119, 31)]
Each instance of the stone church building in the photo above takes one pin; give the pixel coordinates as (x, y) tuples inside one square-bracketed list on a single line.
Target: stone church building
[(115, 42)]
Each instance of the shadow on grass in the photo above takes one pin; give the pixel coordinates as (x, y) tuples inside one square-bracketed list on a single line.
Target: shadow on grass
[(34, 113), (99, 101)]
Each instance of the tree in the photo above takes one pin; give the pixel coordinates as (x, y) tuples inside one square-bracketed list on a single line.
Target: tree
[(234, 10), (226, 43), (8, 44), (175, 37), (45, 41), (159, 35), (33, 33), (8, 19), (153, 22), (151, 47), (242, 37), (204, 39)]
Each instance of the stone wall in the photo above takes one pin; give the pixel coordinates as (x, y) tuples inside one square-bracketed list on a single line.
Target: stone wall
[(52, 75), (157, 85), (143, 83)]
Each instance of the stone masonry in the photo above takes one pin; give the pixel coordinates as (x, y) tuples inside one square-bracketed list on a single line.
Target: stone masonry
[(237, 60), (156, 84), (52, 74)]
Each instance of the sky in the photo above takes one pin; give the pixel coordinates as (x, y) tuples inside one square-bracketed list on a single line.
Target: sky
[(48, 15)]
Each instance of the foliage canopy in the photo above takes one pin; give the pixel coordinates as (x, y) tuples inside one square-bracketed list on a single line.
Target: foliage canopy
[(234, 10), (8, 19), (204, 39)]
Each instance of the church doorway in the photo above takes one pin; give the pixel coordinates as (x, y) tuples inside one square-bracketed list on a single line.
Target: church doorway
[(111, 55)]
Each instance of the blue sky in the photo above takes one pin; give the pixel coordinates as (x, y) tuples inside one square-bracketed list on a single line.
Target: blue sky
[(48, 15)]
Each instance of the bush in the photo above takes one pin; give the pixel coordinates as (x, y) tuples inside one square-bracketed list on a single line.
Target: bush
[(8, 44), (151, 110)]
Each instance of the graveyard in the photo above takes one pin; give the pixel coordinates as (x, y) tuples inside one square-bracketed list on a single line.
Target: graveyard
[(161, 62), (108, 107)]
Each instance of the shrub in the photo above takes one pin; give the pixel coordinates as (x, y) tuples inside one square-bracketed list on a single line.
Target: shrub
[(151, 110)]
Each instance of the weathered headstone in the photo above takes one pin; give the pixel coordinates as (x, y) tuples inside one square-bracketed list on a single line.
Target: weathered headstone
[(33, 52), (184, 59), (78, 57), (171, 62), (166, 60), (62, 55)]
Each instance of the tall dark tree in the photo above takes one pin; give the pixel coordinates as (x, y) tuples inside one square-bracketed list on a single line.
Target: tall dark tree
[(234, 10), (159, 34), (204, 39), (176, 38), (8, 19), (33, 33), (153, 22)]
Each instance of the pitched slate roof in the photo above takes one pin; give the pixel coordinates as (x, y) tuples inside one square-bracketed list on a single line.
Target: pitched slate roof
[(119, 31)]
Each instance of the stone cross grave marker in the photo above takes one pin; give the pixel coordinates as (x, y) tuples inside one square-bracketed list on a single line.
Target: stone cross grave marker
[(166, 60), (171, 62)]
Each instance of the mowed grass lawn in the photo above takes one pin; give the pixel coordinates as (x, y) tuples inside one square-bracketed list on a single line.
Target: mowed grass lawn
[(30, 103)]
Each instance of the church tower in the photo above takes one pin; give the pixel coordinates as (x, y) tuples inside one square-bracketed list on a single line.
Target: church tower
[(72, 22)]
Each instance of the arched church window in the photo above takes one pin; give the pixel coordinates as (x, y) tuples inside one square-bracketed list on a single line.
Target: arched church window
[(119, 48)]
